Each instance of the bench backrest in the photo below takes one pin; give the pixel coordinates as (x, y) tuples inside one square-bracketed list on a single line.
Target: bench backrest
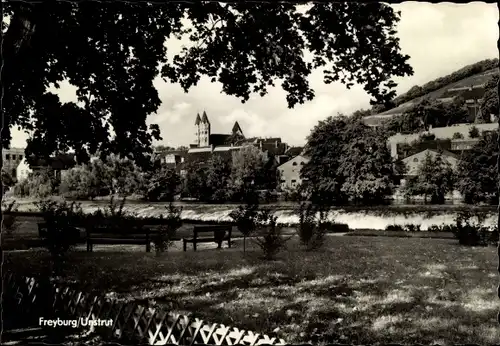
[(135, 232), (216, 229)]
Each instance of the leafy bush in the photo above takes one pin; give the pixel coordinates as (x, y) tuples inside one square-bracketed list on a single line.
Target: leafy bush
[(457, 135), (271, 242), (474, 132), (312, 229), (394, 228), (60, 219), (403, 228), (162, 185), (37, 185), (9, 221), (114, 213), (166, 232), (412, 228), (77, 183), (245, 217)]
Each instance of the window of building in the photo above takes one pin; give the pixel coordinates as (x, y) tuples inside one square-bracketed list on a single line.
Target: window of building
[(7, 157), (20, 157), (415, 160), (294, 164), (302, 163), (294, 181), (13, 157)]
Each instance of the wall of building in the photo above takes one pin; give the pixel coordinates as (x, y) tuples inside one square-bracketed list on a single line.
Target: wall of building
[(11, 159), (413, 162), (289, 172), (22, 170)]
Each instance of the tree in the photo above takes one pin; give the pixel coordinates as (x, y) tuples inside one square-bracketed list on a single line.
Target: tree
[(366, 166), (434, 178), (246, 166), (474, 132), (217, 179), (162, 185), (39, 184), (126, 176), (77, 183), (348, 161), (112, 54), (7, 179), (457, 135), (477, 181), (195, 183), (489, 102), (456, 112), (245, 217), (322, 147)]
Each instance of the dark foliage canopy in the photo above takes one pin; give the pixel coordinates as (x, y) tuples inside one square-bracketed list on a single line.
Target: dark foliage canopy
[(112, 52)]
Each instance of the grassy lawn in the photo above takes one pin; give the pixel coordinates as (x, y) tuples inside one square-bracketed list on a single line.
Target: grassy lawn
[(355, 290)]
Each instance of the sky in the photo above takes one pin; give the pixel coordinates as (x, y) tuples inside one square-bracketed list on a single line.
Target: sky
[(439, 38)]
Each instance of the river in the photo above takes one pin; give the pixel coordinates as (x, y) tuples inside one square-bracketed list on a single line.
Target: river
[(356, 217)]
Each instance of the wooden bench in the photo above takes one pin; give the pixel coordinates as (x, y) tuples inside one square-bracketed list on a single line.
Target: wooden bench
[(220, 234), (99, 234)]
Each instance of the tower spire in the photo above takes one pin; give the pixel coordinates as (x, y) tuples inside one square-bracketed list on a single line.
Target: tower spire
[(198, 119), (204, 119)]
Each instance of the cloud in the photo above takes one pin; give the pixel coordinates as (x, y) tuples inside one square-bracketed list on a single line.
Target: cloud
[(440, 38)]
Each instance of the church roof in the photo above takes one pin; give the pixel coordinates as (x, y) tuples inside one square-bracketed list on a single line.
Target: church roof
[(198, 119), (204, 119), (236, 128)]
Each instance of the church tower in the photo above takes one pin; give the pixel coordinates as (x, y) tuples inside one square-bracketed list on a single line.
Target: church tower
[(204, 131), (197, 132)]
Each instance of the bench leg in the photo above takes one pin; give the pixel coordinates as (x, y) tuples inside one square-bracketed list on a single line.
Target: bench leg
[(184, 245), (194, 246), (219, 245), (148, 247), (229, 243)]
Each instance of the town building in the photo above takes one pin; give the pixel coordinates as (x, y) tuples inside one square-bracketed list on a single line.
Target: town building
[(413, 162), (441, 133), (289, 172), (11, 159)]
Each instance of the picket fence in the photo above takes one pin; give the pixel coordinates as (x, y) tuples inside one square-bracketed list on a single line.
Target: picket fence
[(131, 322)]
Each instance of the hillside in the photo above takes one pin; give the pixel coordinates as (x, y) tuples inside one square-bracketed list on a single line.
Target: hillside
[(472, 76)]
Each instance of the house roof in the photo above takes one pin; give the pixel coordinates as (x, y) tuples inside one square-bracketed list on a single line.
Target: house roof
[(217, 139), (305, 158), (198, 119), (442, 152), (182, 153), (237, 128)]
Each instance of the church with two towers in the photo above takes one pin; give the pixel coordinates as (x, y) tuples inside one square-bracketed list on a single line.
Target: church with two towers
[(205, 138)]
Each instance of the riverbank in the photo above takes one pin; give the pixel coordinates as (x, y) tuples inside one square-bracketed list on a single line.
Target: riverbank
[(356, 217)]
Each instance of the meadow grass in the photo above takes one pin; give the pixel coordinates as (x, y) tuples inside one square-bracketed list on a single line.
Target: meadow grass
[(355, 290)]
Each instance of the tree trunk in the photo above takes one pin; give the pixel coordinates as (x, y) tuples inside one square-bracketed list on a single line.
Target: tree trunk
[(498, 175)]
